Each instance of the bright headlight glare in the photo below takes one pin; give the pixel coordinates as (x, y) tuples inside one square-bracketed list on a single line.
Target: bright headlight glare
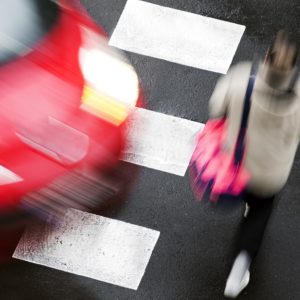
[(106, 71)]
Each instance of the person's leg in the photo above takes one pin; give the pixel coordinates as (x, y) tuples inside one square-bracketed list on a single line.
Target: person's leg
[(249, 240), (254, 224)]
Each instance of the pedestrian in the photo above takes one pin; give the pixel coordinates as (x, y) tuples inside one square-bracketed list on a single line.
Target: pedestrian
[(272, 136)]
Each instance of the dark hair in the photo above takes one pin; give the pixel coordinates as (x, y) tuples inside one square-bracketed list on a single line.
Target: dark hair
[(283, 38)]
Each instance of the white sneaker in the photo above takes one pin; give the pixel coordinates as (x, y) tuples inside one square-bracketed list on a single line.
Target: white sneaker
[(239, 275), (233, 289)]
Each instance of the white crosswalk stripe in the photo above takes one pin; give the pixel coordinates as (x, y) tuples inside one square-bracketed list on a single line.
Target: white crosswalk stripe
[(93, 246), (160, 142), (177, 36)]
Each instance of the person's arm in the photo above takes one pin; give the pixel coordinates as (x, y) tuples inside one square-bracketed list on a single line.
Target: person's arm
[(220, 97)]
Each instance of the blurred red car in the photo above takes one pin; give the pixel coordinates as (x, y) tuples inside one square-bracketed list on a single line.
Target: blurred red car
[(65, 96)]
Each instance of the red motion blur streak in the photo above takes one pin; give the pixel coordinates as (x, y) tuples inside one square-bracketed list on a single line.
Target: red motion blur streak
[(48, 82)]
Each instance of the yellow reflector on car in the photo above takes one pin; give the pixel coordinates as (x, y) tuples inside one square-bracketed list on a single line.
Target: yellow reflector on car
[(103, 106)]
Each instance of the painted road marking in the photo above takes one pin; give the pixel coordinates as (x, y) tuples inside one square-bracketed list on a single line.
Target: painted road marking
[(177, 36), (159, 141), (93, 246)]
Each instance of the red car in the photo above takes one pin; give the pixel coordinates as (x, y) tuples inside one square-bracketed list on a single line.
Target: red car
[(65, 96)]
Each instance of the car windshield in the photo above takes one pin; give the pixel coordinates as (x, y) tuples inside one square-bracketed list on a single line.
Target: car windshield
[(22, 24)]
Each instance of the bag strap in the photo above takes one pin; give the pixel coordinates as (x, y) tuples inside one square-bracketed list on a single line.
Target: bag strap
[(240, 143)]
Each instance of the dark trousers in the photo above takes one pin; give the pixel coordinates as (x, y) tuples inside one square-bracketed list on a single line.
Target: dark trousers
[(253, 226)]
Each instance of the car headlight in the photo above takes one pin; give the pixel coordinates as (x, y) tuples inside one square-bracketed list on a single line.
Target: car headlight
[(111, 84)]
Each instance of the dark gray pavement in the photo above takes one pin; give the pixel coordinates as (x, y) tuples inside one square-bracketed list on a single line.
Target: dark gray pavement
[(191, 258)]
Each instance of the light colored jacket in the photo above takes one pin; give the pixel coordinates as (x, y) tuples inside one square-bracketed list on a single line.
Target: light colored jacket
[(273, 131)]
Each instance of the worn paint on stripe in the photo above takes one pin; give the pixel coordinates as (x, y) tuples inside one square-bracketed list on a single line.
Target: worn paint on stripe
[(160, 141), (93, 246), (177, 36)]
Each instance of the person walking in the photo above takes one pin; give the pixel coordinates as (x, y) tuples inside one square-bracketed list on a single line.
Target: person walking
[(273, 135)]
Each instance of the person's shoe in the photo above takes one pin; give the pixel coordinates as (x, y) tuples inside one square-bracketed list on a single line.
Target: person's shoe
[(239, 275), (233, 289)]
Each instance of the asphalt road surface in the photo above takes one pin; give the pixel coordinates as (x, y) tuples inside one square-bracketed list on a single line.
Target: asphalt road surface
[(192, 255)]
